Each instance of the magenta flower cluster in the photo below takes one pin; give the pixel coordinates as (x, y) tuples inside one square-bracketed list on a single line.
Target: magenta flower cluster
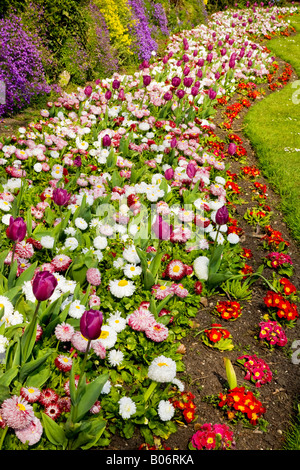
[(257, 370), (272, 333)]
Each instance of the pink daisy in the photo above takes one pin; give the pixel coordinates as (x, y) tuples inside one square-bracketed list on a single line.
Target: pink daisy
[(93, 276), (48, 396), (64, 332), (99, 349), (157, 332), (53, 410), (31, 433), (64, 404), (31, 394), (161, 291), (79, 342), (61, 262), (140, 319), (24, 250), (95, 408), (176, 270), (94, 301), (63, 363), (180, 290), (17, 412)]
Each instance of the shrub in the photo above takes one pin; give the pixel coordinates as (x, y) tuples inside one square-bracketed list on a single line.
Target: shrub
[(21, 68)]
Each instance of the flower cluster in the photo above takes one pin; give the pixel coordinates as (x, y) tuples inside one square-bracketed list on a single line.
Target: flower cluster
[(281, 262), (257, 371), (272, 333), (217, 337), (186, 405), (240, 403), (283, 309), (212, 437), (228, 309)]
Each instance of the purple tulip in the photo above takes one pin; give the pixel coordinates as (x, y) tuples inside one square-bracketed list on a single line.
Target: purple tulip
[(61, 196), (194, 91), (180, 93), (200, 62), (217, 75), (195, 53), (173, 142), (187, 81), (88, 90), (209, 57), (191, 170), (108, 95), (169, 173), (232, 63), (199, 73), (121, 95), (231, 148), (210, 47), (144, 65), (212, 94), (16, 230), (162, 229), (77, 161), (43, 285), (223, 51), (222, 216), (106, 141), (185, 58), (91, 323), (168, 96), (186, 71), (165, 59), (250, 63), (146, 80), (176, 81), (116, 84)]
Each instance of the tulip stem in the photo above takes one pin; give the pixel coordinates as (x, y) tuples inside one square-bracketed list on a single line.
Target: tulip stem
[(13, 254), (84, 361)]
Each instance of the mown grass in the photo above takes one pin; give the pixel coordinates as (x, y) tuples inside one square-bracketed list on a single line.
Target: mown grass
[(272, 126)]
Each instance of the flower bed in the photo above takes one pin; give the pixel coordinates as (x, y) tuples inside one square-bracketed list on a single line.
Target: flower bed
[(116, 220)]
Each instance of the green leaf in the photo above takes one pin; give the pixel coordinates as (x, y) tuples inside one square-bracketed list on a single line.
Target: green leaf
[(39, 378), (91, 395), (54, 431), (31, 366), (215, 260), (86, 440), (12, 275), (217, 278), (8, 376)]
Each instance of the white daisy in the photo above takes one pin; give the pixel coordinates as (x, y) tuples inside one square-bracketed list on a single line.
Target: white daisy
[(165, 410), (81, 223), (71, 243), (47, 241), (108, 336), (76, 309), (127, 407), (115, 357), (121, 288), (162, 369), (233, 238), (3, 344), (117, 322), (130, 255), (131, 270), (100, 242), (6, 305)]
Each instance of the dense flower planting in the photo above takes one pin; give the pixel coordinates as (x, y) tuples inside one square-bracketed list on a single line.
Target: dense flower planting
[(116, 219)]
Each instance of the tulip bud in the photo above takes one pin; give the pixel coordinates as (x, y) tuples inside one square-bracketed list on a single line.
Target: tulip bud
[(187, 81), (43, 285), (168, 96), (108, 95), (176, 81), (212, 94), (222, 216), (88, 90), (61, 196), (16, 230), (116, 84), (231, 148), (91, 323), (180, 94), (191, 170), (146, 80), (169, 173), (106, 141)]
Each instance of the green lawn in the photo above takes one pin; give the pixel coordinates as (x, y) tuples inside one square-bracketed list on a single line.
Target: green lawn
[(273, 127)]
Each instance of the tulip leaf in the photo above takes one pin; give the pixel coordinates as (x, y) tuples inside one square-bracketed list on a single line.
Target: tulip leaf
[(215, 260), (230, 373), (26, 275), (12, 275), (86, 440), (8, 376), (29, 367), (28, 339), (91, 395), (54, 431), (39, 377), (217, 278)]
